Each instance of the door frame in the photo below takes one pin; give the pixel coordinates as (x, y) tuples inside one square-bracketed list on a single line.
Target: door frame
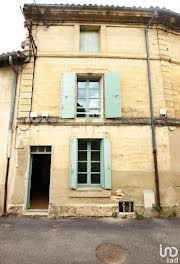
[(29, 182), (45, 152)]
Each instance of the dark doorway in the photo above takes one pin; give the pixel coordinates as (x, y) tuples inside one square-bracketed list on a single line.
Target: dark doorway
[(39, 180)]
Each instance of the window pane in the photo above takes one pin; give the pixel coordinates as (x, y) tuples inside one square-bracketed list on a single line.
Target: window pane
[(95, 166), (95, 156), (41, 149), (94, 93), (94, 113), (81, 103), (95, 178), (81, 93), (82, 178), (94, 84), (81, 84), (94, 103), (33, 149), (82, 144), (95, 145), (89, 41), (82, 167), (48, 149), (81, 115), (82, 155)]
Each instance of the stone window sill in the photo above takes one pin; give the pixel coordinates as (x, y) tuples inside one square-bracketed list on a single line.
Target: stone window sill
[(90, 193)]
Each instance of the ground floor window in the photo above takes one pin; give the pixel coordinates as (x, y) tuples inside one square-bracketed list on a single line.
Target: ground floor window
[(88, 162)]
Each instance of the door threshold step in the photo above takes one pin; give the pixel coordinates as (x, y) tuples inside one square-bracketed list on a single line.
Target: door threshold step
[(40, 212)]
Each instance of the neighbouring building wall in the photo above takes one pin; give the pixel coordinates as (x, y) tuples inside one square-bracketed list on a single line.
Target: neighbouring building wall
[(6, 81)]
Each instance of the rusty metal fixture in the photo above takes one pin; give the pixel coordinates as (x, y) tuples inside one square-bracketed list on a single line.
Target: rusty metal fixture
[(156, 178), (152, 113), (110, 253)]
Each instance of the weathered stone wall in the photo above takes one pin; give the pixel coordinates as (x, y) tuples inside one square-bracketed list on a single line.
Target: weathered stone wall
[(132, 168), (121, 49), (173, 183), (6, 81), (170, 64)]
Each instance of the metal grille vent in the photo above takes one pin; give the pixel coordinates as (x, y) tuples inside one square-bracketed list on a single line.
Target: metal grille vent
[(126, 207)]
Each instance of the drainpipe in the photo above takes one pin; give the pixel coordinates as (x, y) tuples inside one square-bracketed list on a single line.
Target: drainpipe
[(10, 129), (152, 114)]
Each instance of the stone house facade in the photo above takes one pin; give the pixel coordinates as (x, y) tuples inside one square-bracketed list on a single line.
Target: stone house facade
[(82, 142)]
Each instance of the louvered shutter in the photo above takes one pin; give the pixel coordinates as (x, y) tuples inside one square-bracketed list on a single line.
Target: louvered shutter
[(105, 164), (73, 163), (112, 95), (68, 95)]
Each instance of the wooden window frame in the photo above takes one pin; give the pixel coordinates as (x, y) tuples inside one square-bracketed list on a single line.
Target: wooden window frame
[(105, 164), (36, 150), (89, 161), (87, 98)]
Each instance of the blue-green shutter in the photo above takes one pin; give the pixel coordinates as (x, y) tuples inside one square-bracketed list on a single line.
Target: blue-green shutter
[(68, 95), (105, 164), (73, 163), (112, 95)]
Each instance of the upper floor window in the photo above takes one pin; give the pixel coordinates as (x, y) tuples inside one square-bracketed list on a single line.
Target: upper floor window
[(89, 95), (89, 41), (88, 98)]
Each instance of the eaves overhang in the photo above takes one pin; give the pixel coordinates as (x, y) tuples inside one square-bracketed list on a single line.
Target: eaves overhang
[(101, 14), (18, 58)]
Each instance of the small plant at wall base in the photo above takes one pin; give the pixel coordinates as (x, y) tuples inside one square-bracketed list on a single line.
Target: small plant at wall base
[(124, 216), (174, 213), (157, 208), (139, 216), (170, 217), (114, 214), (35, 216), (5, 215)]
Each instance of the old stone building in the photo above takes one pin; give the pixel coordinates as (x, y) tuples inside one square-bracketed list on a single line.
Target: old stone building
[(86, 128), (10, 63)]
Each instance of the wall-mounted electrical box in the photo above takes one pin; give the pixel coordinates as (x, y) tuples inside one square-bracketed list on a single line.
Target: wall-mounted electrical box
[(162, 112), (33, 114), (44, 114)]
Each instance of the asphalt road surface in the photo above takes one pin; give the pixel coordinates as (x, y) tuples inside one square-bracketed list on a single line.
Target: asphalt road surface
[(73, 240)]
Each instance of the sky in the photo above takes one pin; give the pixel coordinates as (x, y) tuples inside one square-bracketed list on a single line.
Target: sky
[(12, 30)]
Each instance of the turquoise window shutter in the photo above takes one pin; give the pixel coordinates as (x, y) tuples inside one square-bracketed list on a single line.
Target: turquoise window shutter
[(105, 164), (112, 95), (73, 163), (68, 95)]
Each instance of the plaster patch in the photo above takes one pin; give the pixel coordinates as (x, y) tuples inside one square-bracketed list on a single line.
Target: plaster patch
[(149, 198)]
